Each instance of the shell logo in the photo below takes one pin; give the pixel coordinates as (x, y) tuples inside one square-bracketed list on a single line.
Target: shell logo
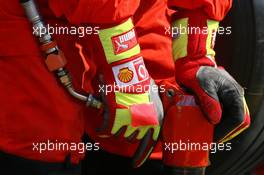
[(125, 75)]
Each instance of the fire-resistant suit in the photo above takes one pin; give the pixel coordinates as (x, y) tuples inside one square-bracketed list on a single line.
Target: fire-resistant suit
[(37, 113), (132, 48), (35, 110), (195, 69)]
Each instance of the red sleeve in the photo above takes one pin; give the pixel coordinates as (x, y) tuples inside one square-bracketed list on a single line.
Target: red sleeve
[(215, 9), (94, 11)]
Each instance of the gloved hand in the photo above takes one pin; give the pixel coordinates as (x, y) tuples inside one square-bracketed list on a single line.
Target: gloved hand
[(132, 107), (135, 117), (220, 96)]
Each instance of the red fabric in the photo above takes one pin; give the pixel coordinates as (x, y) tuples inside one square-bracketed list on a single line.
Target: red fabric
[(34, 107), (143, 115), (151, 21), (32, 101), (89, 70), (156, 58), (94, 11), (215, 9)]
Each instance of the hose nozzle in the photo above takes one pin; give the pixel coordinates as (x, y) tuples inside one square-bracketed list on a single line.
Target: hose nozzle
[(55, 59)]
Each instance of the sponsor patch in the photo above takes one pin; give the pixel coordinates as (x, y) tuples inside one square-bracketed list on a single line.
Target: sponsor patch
[(141, 70), (125, 75), (130, 73), (124, 42)]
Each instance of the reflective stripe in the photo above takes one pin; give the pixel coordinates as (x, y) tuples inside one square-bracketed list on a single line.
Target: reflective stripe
[(212, 27), (106, 36), (235, 132), (212, 59), (180, 41), (230, 137), (123, 118), (146, 157), (127, 99)]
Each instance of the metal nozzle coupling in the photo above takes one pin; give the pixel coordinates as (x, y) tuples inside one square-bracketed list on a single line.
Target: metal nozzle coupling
[(31, 10), (52, 50), (91, 101), (40, 30), (66, 81)]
